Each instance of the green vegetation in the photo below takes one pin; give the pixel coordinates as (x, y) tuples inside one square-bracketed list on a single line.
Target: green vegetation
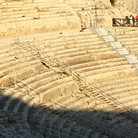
[(63, 73), (112, 1), (81, 90)]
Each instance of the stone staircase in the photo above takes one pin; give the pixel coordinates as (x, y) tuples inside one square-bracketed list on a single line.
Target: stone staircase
[(121, 49), (128, 38)]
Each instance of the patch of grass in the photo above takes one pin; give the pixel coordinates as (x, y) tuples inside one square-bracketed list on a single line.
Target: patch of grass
[(63, 73), (81, 90)]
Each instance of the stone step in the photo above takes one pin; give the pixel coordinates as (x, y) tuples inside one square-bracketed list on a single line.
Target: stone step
[(66, 35), (20, 66), (122, 81), (103, 70), (112, 74), (50, 84), (43, 81), (77, 38), (10, 101), (66, 103), (20, 102), (89, 57), (124, 129), (39, 77), (42, 116), (33, 102), (116, 120), (75, 131), (86, 132), (66, 86), (12, 3), (49, 122), (68, 45), (4, 99), (55, 9), (67, 55), (43, 5), (133, 39), (128, 43), (102, 66), (42, 24), (121, 36), (67, 128), (80, 52), (18, 13), (20, 75), (122, 52), (128, 100), (27, 16), (57, 127), (8, 49), (83, 46), (18, 63), (56, 86), (99, 62), (7, 92), (115, 87), (33, 114), (23, 104), (80, 37), (16, 9), (131, 32), (116, 45), (134, 51), (107, 38), (77, 46), (78, 105), (127, 39), (69, 102), (132, 46), (12, 105), (10, 52), (96, 135), (61, 99), (16, 20), (87, 41)]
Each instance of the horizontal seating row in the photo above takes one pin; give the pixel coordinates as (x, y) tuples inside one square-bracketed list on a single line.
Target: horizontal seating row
[(68, 101), (14, 16), (51, 85), (128, 88)]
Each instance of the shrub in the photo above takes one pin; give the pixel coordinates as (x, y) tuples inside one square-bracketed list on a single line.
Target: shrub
[(81, 90), (63, 73), (112, 1)]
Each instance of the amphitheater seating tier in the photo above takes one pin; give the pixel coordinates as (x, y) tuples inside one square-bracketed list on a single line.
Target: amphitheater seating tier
[(62, 105), (35, 80), (50, 97), (125, 90), (25, 18)]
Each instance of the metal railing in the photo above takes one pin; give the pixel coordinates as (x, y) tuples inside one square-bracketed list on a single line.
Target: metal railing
[(78, 78)]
